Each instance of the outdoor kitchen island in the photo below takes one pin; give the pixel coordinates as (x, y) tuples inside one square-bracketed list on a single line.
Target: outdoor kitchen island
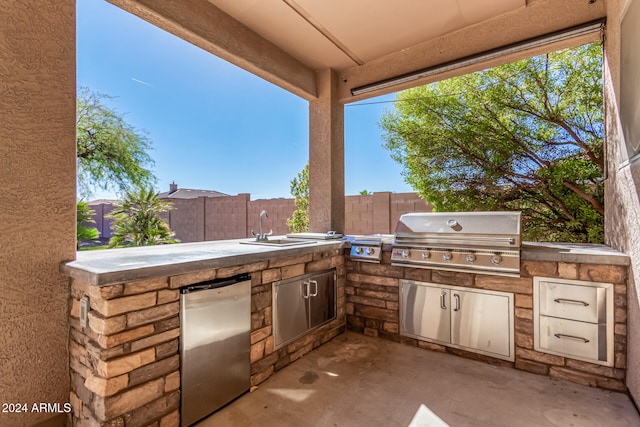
[(125, 363)]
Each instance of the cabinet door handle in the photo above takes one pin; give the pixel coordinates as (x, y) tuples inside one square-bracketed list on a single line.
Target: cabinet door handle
[(315, 292), (457, 306), (571, 337), (443, 303), (570, 301), (305, 290)]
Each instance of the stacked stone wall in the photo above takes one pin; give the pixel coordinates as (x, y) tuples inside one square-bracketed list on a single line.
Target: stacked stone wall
[(372, 296), (125, 364)]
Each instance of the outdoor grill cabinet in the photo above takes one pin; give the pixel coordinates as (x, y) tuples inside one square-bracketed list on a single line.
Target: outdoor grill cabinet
[(475, 320), (301, 304), (574, 319)]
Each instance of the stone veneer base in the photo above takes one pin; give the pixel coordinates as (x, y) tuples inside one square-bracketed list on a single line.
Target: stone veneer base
[(372, 295), (125, 364)]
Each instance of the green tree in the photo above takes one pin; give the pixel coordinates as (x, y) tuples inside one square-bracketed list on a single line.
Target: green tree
[(525, 136), (137, 221), (299, 221), (111, 154), (365, 192), (84, 216)]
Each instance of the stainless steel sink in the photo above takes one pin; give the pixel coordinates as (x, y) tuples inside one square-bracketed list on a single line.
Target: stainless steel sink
[(279, 242)]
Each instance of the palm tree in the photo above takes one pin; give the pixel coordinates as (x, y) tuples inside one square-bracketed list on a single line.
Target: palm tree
[(137, 220), (84, 232)]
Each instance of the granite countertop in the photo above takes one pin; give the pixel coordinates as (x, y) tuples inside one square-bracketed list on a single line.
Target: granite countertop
[(105, 267)]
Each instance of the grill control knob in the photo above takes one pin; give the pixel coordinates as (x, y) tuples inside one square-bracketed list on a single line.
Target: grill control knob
[(404, 253), (359, 250), (447, 256), (425, 254), (370, 251), (496, 259), (470, 258)]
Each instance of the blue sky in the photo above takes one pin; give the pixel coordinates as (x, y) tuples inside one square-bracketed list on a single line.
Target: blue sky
[(213, 125)]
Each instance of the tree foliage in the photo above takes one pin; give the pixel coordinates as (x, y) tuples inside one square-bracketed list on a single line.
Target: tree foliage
[(525, 136), (137, 221), (111, 154), (299, 221), (84, 216)]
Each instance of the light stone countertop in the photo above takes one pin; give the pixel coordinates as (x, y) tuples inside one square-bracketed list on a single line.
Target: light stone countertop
[(106, 267), (586, 253)]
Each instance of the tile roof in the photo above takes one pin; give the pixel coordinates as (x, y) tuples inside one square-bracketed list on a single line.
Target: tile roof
[(188, 193)]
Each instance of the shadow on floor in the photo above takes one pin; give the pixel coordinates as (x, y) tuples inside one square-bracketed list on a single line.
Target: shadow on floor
[(356, 380)]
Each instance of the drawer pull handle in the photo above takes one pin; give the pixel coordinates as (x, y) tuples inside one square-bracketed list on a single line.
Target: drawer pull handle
[(570, 301), (571, 337), (443, 304)]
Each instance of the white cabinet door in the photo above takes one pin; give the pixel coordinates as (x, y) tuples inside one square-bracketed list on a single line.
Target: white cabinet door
[(481, 321), (425, 312)]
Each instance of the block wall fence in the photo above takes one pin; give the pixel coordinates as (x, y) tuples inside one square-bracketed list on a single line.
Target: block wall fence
[(233, 217)]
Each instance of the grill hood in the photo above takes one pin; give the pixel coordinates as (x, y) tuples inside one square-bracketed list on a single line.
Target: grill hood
[(477, 229)]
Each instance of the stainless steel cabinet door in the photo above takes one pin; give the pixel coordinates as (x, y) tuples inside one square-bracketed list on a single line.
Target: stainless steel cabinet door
[(290, 309), (481, 321), (322, 298), (425, 312)]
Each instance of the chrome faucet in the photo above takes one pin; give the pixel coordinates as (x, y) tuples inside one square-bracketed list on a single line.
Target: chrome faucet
[(262, 237)]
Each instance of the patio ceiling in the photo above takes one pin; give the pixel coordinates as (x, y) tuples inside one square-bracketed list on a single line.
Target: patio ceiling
[(340, 34), (288, 41)]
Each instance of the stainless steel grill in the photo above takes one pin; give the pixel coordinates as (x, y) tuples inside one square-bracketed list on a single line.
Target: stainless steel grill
[(479, 242)]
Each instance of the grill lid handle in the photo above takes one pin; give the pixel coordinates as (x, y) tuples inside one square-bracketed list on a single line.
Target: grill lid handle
[(420, 238)]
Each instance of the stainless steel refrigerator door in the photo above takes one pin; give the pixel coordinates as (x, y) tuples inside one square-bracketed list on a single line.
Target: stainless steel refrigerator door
[(215, 348)]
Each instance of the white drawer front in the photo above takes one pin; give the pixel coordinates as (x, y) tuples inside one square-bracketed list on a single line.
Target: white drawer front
[(575, 302), (571, 338)]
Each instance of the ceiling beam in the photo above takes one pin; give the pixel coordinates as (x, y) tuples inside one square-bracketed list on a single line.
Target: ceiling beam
[(539, 17), (204, 25)]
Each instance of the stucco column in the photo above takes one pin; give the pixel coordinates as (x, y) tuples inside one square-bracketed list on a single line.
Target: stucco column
[(326, 156), (37, 207)]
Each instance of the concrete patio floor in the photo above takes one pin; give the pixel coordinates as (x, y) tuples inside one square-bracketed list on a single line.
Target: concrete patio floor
[(356, 380)]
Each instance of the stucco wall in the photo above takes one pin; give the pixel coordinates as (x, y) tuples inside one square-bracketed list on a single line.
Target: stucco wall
[(37, 214), (622, 191)]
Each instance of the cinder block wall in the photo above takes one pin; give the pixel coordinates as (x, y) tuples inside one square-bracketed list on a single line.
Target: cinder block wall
[(233, 217), (279, 211), (226, 217)]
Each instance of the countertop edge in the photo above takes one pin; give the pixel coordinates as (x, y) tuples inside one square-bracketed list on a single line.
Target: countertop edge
[(573, 252), (91, 272), (94, 276), (584, 253)]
